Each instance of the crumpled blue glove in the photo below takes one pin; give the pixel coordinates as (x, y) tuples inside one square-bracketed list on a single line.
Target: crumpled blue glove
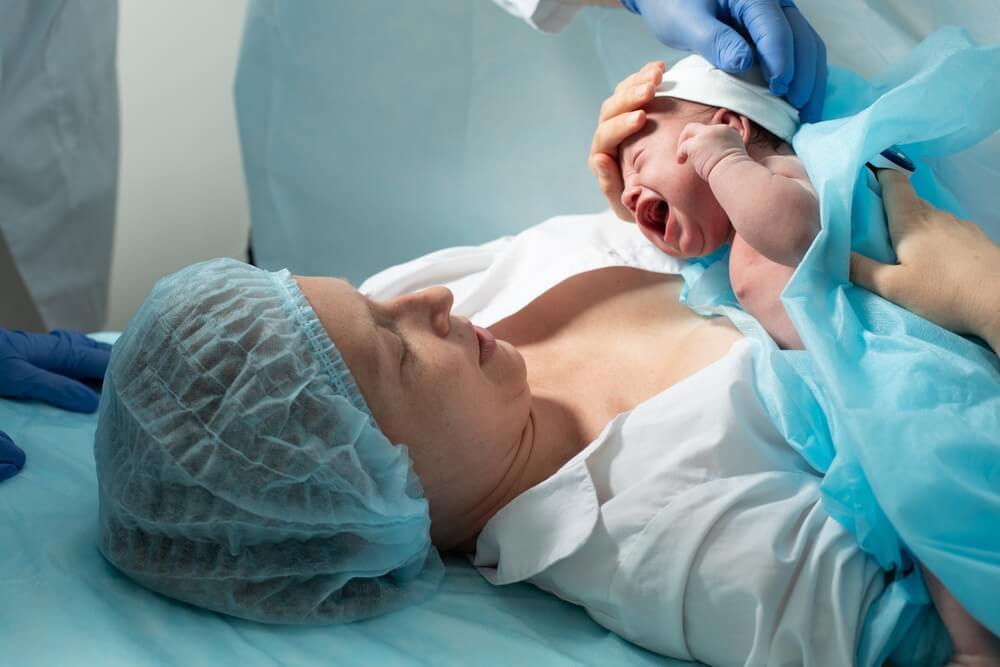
[(50, 367), (11, 457), (792, 55)]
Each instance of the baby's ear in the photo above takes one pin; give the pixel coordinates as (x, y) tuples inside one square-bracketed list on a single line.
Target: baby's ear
[(734, 120)]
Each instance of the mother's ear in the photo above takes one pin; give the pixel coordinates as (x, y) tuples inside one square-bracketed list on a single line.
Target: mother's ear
[(734, 120)]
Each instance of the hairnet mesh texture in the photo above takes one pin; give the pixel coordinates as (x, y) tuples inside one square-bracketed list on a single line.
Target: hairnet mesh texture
[(239, 467)]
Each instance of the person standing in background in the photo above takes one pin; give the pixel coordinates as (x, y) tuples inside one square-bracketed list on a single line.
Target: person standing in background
[(59, 164), (730, 34)]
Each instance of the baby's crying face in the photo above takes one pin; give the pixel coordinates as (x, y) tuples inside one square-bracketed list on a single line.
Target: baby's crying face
[(674, 208)]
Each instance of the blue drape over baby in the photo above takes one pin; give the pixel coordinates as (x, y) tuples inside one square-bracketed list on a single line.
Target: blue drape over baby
[(902, 415)]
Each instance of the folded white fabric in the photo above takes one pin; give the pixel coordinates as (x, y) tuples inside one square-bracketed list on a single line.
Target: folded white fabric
[(696, 80)]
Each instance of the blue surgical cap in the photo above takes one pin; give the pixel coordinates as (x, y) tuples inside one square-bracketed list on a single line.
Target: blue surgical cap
[(239, 467)]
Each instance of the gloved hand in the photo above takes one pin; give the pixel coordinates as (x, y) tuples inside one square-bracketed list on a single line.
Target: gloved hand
[(793, 57), (49, 367), (11, 457)]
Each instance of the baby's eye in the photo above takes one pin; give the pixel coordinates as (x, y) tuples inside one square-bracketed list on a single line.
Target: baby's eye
[(635, 159)]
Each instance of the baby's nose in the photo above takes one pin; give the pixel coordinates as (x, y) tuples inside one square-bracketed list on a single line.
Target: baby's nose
[(630, 198)]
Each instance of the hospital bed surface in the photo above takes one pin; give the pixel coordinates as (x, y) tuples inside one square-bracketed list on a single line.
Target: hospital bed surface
[(61, 603)]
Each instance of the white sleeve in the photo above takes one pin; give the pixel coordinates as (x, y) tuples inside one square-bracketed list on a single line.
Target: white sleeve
[(545, 15), (747, 571)]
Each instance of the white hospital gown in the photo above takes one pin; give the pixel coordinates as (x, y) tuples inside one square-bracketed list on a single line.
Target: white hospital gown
[(688, 526)]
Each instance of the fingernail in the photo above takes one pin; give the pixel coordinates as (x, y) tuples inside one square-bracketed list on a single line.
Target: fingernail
[(602, 172), (634, 117), (642, 91)]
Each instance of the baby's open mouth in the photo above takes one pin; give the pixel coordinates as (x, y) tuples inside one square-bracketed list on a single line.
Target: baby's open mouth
[(677, 240), (652, 214)]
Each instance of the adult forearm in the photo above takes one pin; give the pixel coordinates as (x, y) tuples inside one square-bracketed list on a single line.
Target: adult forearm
[(981, 298), (773, 213), (990, 330)]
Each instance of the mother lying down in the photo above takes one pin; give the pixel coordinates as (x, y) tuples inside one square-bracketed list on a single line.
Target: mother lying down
[(591, 435)]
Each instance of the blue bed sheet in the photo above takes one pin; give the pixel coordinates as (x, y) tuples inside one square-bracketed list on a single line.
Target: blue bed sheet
[(62, 604)]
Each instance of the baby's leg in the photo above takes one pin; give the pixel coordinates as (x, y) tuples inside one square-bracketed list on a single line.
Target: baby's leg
[(757, 282), (974, 645)]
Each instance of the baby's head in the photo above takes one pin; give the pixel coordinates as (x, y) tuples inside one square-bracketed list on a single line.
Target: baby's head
[(673, 206), (246, 444)]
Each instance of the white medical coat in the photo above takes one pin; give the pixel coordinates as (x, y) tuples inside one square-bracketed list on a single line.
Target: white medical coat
[(688, 526), (59, 160), (547, 15)]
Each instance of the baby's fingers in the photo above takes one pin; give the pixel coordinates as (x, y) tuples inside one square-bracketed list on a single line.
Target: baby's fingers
[(682, 151), (685, 140)]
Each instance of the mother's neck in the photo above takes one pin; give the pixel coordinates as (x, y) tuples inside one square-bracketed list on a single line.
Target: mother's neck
[(551, 436)]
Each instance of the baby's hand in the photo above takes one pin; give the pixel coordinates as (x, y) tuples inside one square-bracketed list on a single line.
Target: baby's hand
[(708, 145)]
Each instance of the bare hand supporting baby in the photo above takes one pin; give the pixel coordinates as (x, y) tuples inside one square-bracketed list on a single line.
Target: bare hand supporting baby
[(948, 270)]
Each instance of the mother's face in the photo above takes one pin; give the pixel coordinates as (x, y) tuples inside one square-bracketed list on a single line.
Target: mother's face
[(418, 367)]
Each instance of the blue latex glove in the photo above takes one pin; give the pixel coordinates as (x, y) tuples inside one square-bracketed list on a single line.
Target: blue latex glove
[(49, 368), (11, 457), (792, 55)]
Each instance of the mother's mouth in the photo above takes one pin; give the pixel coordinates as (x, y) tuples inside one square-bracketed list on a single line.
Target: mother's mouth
[(487, 343)]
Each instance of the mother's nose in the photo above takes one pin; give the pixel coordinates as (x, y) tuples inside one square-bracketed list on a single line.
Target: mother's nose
[(435, 303)]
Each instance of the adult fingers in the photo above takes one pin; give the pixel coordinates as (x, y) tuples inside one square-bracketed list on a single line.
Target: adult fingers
[(873, 276), (812, 112), (903, 206), (85, 358), (804, 77), (68, 353), (12, 457), (612, 132), (609, 177), (715, 41), (626, 101), (649, 71), (30, 382), (630, 97), (768, 27)]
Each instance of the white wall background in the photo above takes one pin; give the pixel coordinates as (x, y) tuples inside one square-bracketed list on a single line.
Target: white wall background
[(181, 196)]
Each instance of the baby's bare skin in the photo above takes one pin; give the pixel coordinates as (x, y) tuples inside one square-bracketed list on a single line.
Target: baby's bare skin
[(693, 186), (621, 117)]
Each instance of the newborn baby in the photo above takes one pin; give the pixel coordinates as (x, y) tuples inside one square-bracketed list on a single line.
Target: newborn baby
[(701, 175)]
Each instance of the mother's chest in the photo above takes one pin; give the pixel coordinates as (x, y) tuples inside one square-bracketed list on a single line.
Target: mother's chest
[(606, 340)]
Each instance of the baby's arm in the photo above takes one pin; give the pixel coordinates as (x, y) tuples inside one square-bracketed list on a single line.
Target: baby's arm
[(770, 203), (757, 283)]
